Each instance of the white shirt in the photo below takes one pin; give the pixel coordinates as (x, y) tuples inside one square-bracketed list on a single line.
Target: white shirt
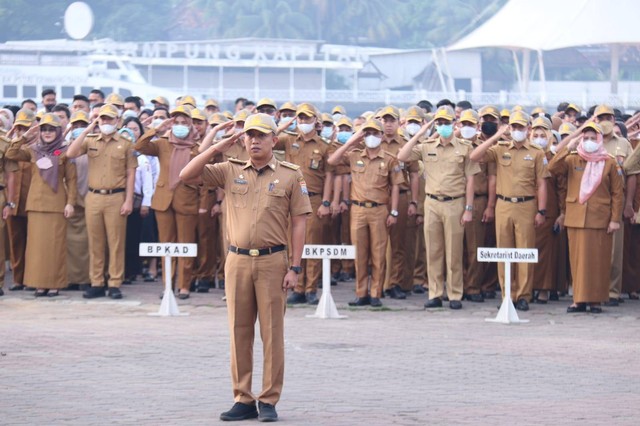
[(144, 180)]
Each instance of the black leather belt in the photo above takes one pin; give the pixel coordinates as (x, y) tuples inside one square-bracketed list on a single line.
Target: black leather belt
[(367, 204), (480, 195), (1, 187), (516, 199), (313, 194), (106, 191), (443, 197), (211, 191), (404, 191), (257, 252)]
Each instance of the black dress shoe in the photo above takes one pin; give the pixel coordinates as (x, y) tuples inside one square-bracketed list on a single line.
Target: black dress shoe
[(360, 301), (267, 413), (595, 309), (93, 292), (433, 303), (115, 293), (477, 298), (580, 307), (489, 294), (522, 305), (41, 292), (553, 296), (203, 286), (375, 302), (418, 289), (312, 298), (1, 292), (240, 411), (296, 298), (16, 287), (612, 302), (395, 292), (455, 304), (183, 296)]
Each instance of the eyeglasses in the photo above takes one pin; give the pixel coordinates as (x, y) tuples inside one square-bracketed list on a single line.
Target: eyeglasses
[(47, 129)]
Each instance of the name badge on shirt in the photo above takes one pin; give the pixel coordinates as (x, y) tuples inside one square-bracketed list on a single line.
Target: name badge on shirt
[(579, 169), (528, 158), (432, 154), (44, 163), (360, 163), (506, 156), (240, 181), (295, 145)]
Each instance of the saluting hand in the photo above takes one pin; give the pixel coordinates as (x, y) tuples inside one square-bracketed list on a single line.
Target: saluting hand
[(166, 125), (290, 281), (32, 133)]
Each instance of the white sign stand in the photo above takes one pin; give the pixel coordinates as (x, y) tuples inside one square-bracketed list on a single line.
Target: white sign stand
[(327, 307), (168, 306), (507, 313)]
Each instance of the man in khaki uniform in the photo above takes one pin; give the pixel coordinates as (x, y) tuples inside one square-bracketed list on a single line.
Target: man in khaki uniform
[(111, 178), (522, 197), (621, 149), (448, 204), (5, 165), (376, 176), (263, 194), (309, 151)]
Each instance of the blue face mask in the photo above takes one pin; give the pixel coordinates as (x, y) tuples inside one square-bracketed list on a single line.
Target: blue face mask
[(326, 132), (180, 131), (293, 126), (445, 130), (343, 137), (75, 134)]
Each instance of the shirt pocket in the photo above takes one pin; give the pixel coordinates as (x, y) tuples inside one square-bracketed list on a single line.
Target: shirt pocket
[(239, 195), (93, 153), (506, 162), (276, 199), (315, 162)]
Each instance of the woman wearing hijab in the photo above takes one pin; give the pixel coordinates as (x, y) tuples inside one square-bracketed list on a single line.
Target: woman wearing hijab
[(175, 204), (52, 195), (593, 213)]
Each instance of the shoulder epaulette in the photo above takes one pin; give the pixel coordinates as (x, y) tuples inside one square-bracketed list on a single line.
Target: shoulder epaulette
[(289, 132), (465, 142), (93, 135), (290, 165), (503, 143), (236, 161), (536, 146), (432, 140), (325, 140), (573, 152)]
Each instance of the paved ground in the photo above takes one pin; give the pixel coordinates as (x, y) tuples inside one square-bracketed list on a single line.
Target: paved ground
[(68, 361)]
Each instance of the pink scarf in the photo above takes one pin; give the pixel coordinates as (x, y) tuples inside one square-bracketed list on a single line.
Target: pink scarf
[(180, 156), (593, 172)]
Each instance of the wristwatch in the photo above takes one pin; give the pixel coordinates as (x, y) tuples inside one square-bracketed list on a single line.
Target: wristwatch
[(468, 208), (296, 269), (543, 212), (394, 213), (326, 203), (10, 204), (415, 203)]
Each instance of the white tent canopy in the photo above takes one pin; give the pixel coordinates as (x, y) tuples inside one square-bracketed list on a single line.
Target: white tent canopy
[(552, 24)]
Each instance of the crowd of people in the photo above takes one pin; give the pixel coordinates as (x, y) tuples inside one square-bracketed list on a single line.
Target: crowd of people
[(417, 191)]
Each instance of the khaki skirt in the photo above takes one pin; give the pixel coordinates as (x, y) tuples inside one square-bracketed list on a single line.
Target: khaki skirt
[(46, 255)]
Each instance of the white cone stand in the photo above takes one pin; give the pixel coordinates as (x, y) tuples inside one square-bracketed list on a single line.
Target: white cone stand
[(168, 306), (326, 307), (507, 313)]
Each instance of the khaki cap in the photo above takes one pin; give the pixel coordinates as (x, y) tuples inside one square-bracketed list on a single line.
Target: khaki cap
[(79, 116), (307, 109), (114, 99), (25, 117), (217, 118), (594, 126), (228, 114), (414, 113), (344, 121), (489, 110), (196, 114), (241, 115), (339, 109), (573, 107), (266, 102), (519, 117), (541, 121), (327, 118), (50, 119), (108, 110), (289, 106), (261, 122), (211, 102), (446, 112), (389, 110), (566, 129), (184, 109), (160, 100), (538, 110), (505, 113), (469, 115), (602, 110), (188, 100), (372, 123)]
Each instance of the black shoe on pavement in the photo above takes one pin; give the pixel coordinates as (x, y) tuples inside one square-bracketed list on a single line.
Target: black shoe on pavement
[(202, 286), (580, 307), (240, 411), (16, 287), (375, 302), (455, 304), (595, 309), (395, 292), (1, 292), (489, 294), (345, 277), (360, 301), (296, 298), (553, 296), (522, 305), (418, 289), (612, 302), (312, 298), (477, 298), (433, 303), (93, 292), (115, 293), (267, 412)]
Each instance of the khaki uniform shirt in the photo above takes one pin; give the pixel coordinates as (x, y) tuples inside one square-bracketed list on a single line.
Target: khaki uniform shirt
[(372, 179), (259, 203), (480, 180), (446, 167), (393, 146), (311, 156), (109, 158), (518, 169)]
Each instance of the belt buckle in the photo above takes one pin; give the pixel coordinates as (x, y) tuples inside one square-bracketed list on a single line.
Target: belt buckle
[(104, 191), (368, 205), (254, 252), (514, 199), (440, 198)]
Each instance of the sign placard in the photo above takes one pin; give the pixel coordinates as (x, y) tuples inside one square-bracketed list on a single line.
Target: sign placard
[(315, 251), (507, 255), (168, 249)]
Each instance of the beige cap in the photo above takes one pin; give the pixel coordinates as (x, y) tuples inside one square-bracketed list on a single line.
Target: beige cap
[(261, 122)]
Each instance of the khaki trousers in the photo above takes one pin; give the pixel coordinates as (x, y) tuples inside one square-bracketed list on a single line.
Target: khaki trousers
[(106, 229), (207, 231), (474, 237), (369, 234), (420, 268), (617, 254), (515, 229), (444, 235), (17, 232), (77, 248), (253, 287), (174, 227), (318, 232), (400, 241)]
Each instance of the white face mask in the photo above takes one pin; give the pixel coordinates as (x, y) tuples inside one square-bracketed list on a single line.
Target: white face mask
[(468, 132), (306, 128), (412, 128), (589, 145), (541, 142), (372, 141), (337, 116), (553, 148), (107, 129), (157, 123), (519, 135)]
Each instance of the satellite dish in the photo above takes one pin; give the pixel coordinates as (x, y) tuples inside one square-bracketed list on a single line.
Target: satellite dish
[(78, 20)]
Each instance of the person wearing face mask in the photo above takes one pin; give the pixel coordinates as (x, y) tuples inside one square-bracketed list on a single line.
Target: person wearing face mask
[(594, 204), (522, 197), (338, 112), (621, 149), (328, 129), (475, 233), (118, 101), (309, 151), (376, 176), (548, 240), (448, 205), (77, 237), (174, 203), (48, 99), (49, 203), (402, 236), (109, 200)]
